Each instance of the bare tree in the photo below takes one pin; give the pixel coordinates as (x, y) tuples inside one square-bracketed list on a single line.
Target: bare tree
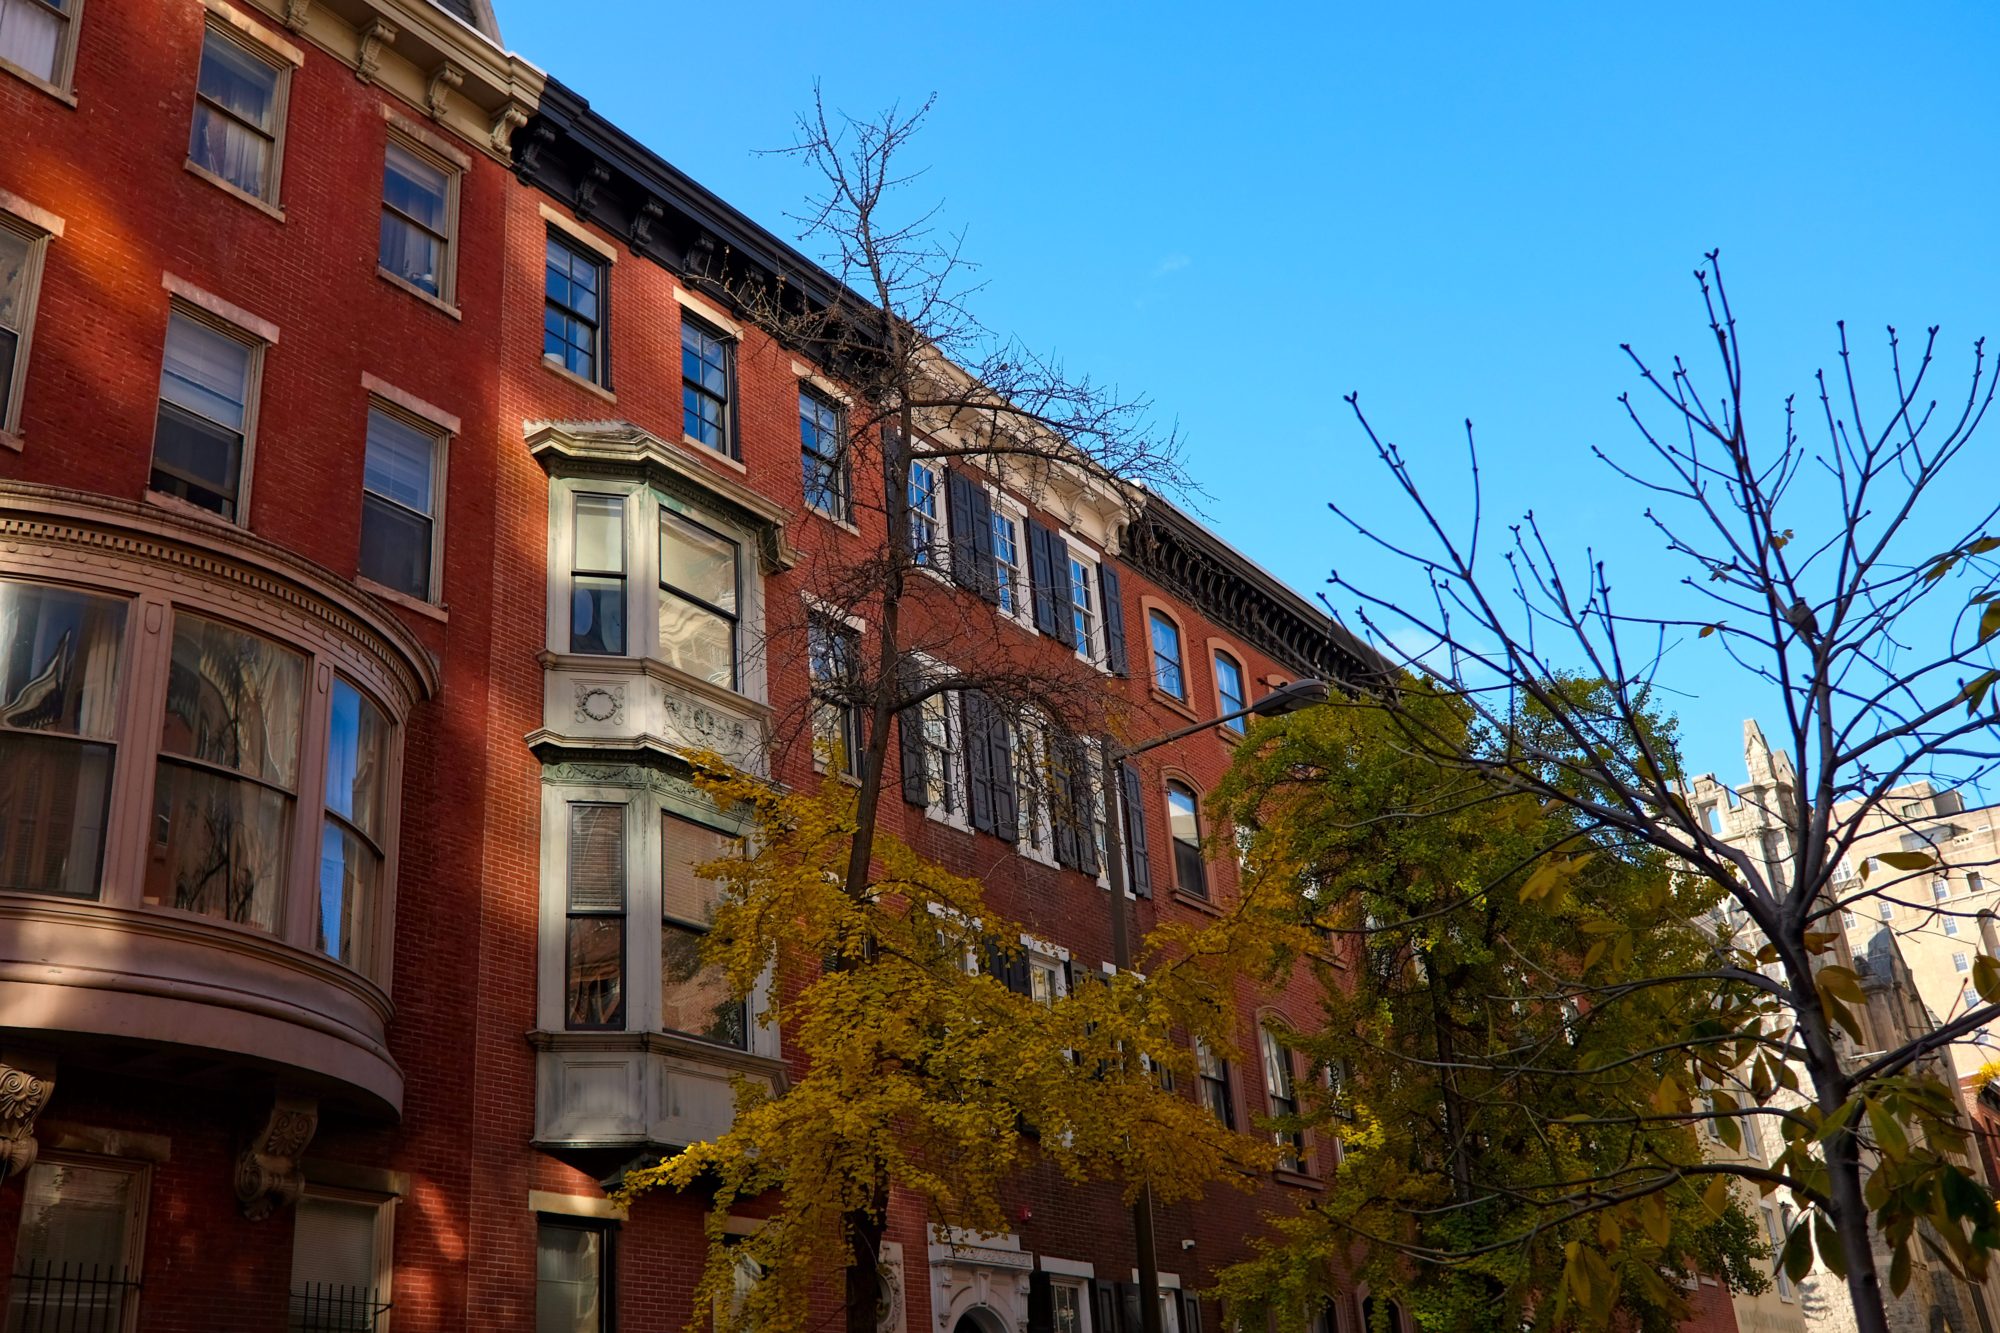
[(926, 385), (1849, 583)]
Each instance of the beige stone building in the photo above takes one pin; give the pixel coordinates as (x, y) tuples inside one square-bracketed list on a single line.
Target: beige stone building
[(1900, 1006), (1932, 913)]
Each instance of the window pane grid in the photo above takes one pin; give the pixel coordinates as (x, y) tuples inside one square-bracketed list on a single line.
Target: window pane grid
[(1083, 608), (1007, 562), (1166, 637), (571, 321), (820, 442), (235, 115), (923, 513), (704, 386)]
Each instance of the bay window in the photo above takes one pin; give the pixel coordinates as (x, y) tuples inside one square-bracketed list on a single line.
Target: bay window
[(350, 882), (698, 599), (597, 576), (227, 779), (695, 997), (594, 982), (59, 655)]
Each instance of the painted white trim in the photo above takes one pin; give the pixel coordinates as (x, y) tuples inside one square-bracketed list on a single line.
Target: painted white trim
[(228, 312), (822, 383), (410, 403), (255, 31), (708, 314), (409, 129), (1067, 1267), (576, 231), (573, 1205), (820, 606), (32, 214)]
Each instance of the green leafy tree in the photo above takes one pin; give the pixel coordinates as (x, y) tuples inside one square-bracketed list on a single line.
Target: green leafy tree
[(1840, 576), (1471, 1083)]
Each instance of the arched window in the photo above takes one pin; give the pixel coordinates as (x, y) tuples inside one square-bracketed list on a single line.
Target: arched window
[(1167, 672), (1229, 697), (1184, 828)]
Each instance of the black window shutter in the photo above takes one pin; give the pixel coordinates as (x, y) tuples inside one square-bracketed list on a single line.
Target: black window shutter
[(1041, 1303), (1062, 801), (1138, 864), (980, 719), (1083, 787), (1128, 1307), (1000, 765), (971, 535), (1114, 619), (1104, 1308), (1048, 570), (910, 728)]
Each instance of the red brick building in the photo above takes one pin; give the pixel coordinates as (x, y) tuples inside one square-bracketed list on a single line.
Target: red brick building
[(388, 504)]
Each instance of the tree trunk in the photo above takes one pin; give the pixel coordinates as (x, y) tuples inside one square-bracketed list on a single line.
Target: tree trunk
[(864, 1265)]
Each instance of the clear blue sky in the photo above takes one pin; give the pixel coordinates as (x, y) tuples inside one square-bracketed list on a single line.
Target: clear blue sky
[(1245, 211)]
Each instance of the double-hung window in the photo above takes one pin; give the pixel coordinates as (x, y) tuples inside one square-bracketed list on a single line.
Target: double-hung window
[(227, 782), (208, 383), (573, 310), (59, 662), (594, 971), (823, 455), (340, 1262), (1009, 572), (21, 252), (695, 997), (1168, 677), (1032, 803), (77, 1260), (573, 1276), (38, 38), (698, 599), (399, 494), (944, 755), (1283, 1098), (926, 523), (833, 656), (1083, 607), (351, 856), (1184, 829), (706, 372), (1212, 1079), (239, 115), (1229, 697), (597, 575), (419, 208)]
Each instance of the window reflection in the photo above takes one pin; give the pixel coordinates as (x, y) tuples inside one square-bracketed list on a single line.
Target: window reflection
[(694, 998), (350, 875), (58, 707), (228, 768)]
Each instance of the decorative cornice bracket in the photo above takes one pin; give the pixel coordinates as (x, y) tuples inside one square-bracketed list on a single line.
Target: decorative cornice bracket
[(510, 117), (445, 77), (378, 33), (268, 1176), (23, 1094)]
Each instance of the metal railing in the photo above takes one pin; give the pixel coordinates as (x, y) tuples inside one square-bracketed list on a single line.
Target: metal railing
[(323, 1307), (69, 1297)]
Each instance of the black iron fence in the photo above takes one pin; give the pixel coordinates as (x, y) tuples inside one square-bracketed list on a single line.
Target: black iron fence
[(65, 1297), (322, 1307)]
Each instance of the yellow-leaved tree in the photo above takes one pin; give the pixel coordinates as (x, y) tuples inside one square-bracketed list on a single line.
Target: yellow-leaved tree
[(917, 1069)]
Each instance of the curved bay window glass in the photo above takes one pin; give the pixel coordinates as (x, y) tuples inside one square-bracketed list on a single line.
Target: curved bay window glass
[(227, 775), (350, 863), (695, 998), (58, 707), (597, 577), (594, 989), (698, 600), (1184, 828)]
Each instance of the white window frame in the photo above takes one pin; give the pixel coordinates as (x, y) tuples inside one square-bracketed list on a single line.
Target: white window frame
[(62, 81), (1047, 959), (137, 1211), (454, 169), (235, 325), (645, 916), (440, 427), (949, 703), (1034, 835), (642, 506), (227, 23), (1079, 552), (1021, 580), (1293, 1147), (37, 228), (938, 549), (385, 1241), (817, 608)]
